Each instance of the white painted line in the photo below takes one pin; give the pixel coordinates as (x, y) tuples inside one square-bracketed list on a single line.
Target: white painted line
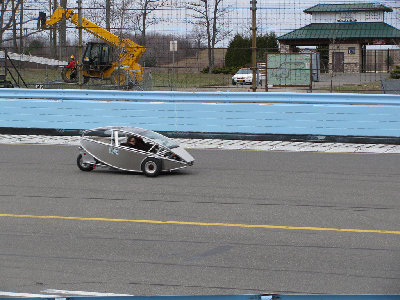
[(82, 293), (26, 295)]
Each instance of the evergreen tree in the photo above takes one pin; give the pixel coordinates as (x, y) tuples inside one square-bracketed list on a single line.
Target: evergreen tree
[(238, 53)]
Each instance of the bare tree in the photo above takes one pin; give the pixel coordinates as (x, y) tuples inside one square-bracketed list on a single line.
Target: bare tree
[(144, 16), (198, 36), (112, 15), (8, 18), (127, 16), (98, 12), (209, 15)]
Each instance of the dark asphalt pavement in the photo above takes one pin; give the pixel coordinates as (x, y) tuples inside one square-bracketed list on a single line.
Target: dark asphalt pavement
[(139, 256)]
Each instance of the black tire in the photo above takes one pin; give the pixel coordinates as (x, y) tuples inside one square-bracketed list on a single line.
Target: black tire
[(120, 77), (151, 167), (82, 166), (69, 75), (8, 84), (131, 83)]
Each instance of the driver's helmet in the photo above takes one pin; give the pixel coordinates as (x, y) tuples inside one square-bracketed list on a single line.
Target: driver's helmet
[(72, 57)]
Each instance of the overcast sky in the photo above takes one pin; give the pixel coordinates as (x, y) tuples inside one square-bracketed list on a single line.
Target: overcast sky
[(286, 15), (280, 16)]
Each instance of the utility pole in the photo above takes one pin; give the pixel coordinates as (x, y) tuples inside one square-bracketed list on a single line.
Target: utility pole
[(108, 13), (253, 46), (14, 26), (53, 31), (173, 47), (80, 77), (63, 32), (21, 21)]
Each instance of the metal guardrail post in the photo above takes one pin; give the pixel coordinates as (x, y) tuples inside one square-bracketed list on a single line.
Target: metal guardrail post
[(80, 58), (253, 47)]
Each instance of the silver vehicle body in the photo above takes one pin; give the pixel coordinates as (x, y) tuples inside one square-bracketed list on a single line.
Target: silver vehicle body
[(104, 146)]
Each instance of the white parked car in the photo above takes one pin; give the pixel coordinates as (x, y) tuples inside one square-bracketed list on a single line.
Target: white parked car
[(245, 76)]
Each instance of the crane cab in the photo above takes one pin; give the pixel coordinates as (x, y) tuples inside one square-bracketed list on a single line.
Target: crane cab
[(98, 57)]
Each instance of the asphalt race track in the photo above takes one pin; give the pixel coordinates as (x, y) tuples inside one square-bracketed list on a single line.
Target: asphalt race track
[(327, 223)]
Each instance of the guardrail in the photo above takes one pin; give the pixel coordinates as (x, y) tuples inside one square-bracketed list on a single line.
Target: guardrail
[(345, 115), (219, 97)]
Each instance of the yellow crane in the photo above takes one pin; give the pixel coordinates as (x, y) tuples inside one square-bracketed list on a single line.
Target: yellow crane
[(98, 59)]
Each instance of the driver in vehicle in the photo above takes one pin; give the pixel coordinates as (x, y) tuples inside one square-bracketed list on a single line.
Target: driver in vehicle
[(136, 143), (130, 142)]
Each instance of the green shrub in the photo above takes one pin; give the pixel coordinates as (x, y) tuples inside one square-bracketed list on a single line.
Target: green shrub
[(223, 70), (395, 73), (150, 61), (205, 70), (35, 46), (226, 70)]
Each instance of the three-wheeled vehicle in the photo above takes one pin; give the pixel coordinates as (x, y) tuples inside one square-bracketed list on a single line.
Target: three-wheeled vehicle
[(131, 149)]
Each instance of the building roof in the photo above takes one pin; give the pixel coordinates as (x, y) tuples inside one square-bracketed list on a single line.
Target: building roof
[(348, 7), (346, 31)]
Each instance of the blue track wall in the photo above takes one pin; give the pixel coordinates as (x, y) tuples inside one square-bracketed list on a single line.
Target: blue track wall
[(224, 112)]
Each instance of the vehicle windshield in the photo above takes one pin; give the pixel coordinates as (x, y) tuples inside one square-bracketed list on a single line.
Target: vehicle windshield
[(105, 134), (244, 71), (160, 139)]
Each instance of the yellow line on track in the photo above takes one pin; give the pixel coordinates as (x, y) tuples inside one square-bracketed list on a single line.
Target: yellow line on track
[(204, 224)]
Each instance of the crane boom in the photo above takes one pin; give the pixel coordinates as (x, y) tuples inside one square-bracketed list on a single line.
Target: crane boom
[(133, 51)]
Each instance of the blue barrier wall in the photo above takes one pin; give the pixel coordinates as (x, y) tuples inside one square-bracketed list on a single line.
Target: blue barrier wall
[(221, 112)]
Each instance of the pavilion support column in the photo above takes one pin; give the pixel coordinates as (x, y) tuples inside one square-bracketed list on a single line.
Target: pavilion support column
[(285, 48)]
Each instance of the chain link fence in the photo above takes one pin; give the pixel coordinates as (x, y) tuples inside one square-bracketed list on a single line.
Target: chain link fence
[(207, 53)]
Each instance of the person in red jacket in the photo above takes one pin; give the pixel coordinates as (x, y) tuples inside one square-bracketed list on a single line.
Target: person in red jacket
[(72, 63), (73, 74)]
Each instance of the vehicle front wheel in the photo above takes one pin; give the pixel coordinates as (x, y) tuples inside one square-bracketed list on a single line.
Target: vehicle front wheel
[(120, 77), (83, 166), (151, 167), (69, 75)]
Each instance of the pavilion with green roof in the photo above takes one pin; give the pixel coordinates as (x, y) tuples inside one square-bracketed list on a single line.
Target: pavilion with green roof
[(346, 29)]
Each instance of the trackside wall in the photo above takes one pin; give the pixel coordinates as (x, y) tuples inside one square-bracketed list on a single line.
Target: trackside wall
[(221, 112)]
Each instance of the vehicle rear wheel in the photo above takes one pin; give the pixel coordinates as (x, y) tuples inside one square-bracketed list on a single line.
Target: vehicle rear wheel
[(151, 167), (69, 75), (120, 77), (83, 166)]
